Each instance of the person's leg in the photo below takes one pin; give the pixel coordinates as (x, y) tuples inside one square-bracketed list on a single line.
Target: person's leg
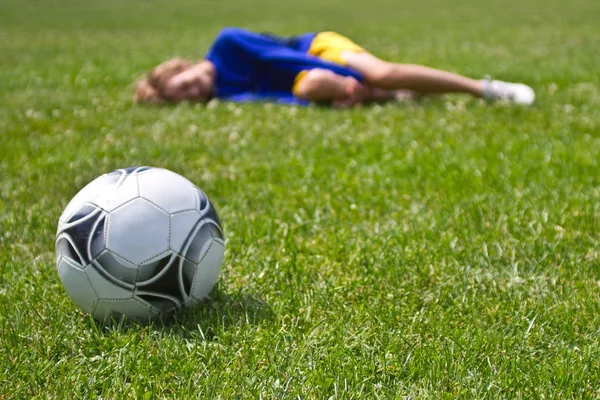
[(425, 80), (418, 78)]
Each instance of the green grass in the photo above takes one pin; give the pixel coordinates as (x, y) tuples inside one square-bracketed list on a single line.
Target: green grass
[(448, 249)]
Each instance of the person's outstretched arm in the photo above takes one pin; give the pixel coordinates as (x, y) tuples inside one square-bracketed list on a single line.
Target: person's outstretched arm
[(321, 85)]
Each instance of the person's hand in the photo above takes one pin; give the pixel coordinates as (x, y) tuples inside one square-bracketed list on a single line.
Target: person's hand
[(356, 93)]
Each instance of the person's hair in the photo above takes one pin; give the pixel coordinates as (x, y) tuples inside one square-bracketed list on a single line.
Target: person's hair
[(151, 88)]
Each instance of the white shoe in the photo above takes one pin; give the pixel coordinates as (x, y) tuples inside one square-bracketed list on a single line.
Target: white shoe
[(516, 93)]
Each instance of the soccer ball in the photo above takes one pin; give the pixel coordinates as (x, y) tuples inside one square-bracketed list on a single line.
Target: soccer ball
[(138, 242)]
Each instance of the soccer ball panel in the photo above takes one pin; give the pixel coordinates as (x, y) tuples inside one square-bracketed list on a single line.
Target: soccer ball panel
[(201, 198), (159, 301), (208, 271), (210, 213), (64, 248), (156, 269), (83, 211), (166, 282), (115, 196), (133, 308), (76, 284), (199, 242), (167, 190), (98, 238), (89, 193), (118, 268), (106, 288), (181, 226), (138, 231), (188, 273), (135, 170), (215, 231), (79, 231)]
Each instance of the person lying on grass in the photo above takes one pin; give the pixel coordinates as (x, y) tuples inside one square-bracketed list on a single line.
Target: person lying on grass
[(320, 67)]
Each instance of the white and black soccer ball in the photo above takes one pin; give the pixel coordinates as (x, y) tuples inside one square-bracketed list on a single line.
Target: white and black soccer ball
[(138, 242)]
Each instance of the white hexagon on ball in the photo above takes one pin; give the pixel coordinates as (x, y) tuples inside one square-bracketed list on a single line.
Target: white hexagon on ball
[(138, 231), (168, 190)]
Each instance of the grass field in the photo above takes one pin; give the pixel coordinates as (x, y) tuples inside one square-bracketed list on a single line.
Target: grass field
[(448, 249)]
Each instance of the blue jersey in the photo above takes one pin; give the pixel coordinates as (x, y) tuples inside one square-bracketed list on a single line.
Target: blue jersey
[(256, 67)]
